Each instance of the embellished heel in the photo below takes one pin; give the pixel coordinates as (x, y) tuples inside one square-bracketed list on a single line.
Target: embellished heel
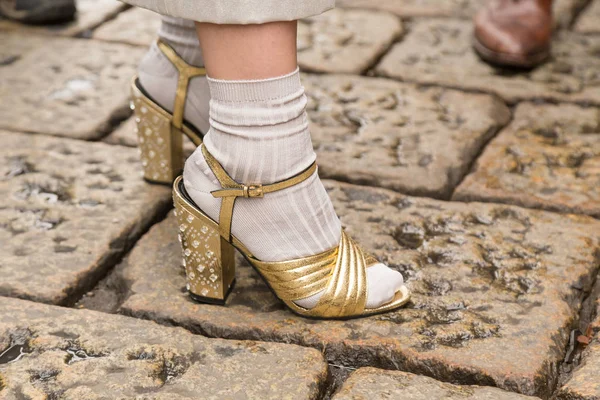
[(160, 133), (209, 259), (160, 143)]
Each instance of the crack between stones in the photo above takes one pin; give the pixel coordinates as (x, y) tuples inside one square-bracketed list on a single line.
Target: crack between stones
[(118, 250), (484, 146), (577, 11), (368, 357), (508, 102), (87, 33), (116, 118), (585, 317), (369, 70), (336, 376), (509, 201), (369, 184)]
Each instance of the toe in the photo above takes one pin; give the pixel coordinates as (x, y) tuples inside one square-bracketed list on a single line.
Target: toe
[(383, 283)]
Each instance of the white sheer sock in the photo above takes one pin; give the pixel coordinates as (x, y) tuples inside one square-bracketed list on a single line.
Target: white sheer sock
[(259, 133), (158, 76)]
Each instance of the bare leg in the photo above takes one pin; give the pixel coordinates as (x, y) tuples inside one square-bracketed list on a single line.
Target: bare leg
[(236, 52)]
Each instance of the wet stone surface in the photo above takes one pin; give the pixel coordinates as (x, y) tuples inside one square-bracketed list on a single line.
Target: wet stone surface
[(486, 280), (548, 157), (379, 132), (90, 13), (439, 52), (564, 10), (58, 353), (346, 41), (136, 26), (588, 21), (377, 384), (66, 87), (69, 208)]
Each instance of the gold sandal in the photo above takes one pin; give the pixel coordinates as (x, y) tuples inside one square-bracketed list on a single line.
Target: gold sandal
[(208, 256), (160, 133)]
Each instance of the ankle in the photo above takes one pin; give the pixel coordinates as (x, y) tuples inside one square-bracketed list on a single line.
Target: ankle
[(259, 129)]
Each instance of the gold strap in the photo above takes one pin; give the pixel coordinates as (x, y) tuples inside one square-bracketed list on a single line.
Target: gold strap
[(299, 279), (186, 72), (340, 273), (232, 190), (346, 292)]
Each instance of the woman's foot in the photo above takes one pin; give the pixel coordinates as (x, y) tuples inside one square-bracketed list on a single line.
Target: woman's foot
[(259, 134), (158, 76)]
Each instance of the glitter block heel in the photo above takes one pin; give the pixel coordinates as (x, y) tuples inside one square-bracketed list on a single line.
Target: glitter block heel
[(160, 143), (209, 259)]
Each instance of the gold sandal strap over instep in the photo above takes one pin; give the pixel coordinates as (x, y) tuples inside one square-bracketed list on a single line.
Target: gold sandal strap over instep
[(339, 272), (346, 292), (232, 190), (186, 73)]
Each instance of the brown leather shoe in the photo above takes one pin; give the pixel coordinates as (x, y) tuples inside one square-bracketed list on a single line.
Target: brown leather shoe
[(514, 33)]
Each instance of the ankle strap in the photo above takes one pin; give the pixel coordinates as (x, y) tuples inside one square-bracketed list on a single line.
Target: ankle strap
[(186, 72), (232, 190)]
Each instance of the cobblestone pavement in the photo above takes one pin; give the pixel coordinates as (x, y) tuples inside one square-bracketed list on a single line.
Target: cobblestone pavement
[(481, 185)]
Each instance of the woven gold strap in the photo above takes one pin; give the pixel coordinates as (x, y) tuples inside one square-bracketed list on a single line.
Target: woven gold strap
[(346, 292), (232, 190), (186, 72), (299, 279), (339, 272)]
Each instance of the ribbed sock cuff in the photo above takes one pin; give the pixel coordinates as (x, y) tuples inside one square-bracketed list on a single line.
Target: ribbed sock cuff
[(245, 91)]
